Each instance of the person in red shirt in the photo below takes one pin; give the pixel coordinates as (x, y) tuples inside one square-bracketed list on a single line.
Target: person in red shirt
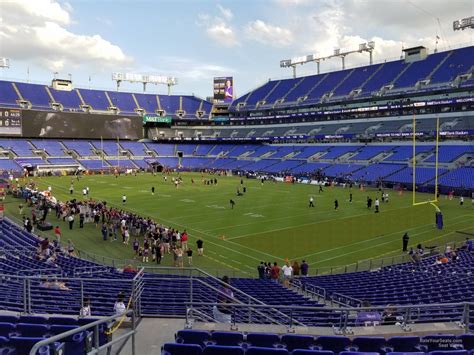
[(184, 240), (275, 272), (57, 233), (129, 268)]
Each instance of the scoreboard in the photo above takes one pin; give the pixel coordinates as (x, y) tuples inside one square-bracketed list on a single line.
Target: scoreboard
[(10, 122), (223, 89)]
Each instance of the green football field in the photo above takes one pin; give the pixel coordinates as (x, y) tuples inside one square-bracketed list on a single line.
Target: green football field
[(271, 222)]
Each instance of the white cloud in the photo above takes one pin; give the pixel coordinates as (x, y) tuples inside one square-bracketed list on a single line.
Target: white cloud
[(226, 13), (222, 34), (294, 3), (218, 27), (36, 32), (269, 34), (322, 26), (189, 69)]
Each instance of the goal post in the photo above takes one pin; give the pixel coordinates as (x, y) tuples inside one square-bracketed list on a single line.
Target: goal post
[(435, 199)]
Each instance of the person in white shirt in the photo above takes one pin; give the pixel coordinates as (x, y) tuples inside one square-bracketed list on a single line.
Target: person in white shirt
[(287, 273), (119, 306), (124, 199), (84, 192), (86, 309), (377, 205)]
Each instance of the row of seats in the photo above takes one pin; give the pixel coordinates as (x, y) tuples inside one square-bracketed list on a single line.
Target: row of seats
[(180, 349), (335, 344), (41, 97), (439, 68), (18, 334)]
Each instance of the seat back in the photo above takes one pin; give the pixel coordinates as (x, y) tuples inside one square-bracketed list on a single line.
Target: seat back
[(227, 338), (5, 318), (266, 351), (198, 337), (293, 341), (403, 344), (439, 342), (311, 352), (263, 340), (62, 320), (6, 329), (369, 344), (223, 350), (32, 330), (23, 345), (181, 349), (33, 319), (467, 341), (333, 343)]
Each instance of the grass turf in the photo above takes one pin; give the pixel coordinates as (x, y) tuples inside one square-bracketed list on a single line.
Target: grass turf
[(271, 222)]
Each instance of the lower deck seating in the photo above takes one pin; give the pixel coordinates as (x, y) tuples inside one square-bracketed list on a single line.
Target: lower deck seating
[(222, 343), (18, 334)]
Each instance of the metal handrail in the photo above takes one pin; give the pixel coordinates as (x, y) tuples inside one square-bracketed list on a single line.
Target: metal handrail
[(271, 319), (407, 310), (94, 325), (339, 297), (222, 283)]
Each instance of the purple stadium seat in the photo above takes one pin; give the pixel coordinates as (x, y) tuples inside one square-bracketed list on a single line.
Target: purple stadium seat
[(62, 320), (264, 340), (266, 351), (198, 337), (32, 330), (23, 345), (74, 344), (7, 330), (181, 349), (33, 319), (403, 344), (368, 344), (293, 341), (333, 343), (223, 350), (467, 341), (227, 338)]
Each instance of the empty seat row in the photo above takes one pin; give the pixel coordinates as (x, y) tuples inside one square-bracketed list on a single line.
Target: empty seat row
[(335, 344), (185, 349)]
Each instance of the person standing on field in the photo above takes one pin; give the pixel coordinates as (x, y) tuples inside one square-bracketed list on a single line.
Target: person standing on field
[(405, 240), (200, 248)]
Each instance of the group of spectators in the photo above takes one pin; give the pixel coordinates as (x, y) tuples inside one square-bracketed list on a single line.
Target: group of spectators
[(450, 254), (115, 223), (284, 274)]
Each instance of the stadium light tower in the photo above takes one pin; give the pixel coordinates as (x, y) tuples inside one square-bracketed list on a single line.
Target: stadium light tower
[(467, 22), (4, 63), (145, 79), (292, 63)]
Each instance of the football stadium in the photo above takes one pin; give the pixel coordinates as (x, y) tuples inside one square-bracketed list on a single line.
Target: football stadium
[(224, 200)]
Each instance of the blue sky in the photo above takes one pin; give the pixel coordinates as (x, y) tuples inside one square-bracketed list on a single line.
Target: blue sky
[(197, 40)]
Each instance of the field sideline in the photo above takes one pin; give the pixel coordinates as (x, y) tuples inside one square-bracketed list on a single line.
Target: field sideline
[(271, 222)]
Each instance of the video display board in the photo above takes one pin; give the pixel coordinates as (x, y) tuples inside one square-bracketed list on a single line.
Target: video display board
[(223, 89), (80, 125)]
